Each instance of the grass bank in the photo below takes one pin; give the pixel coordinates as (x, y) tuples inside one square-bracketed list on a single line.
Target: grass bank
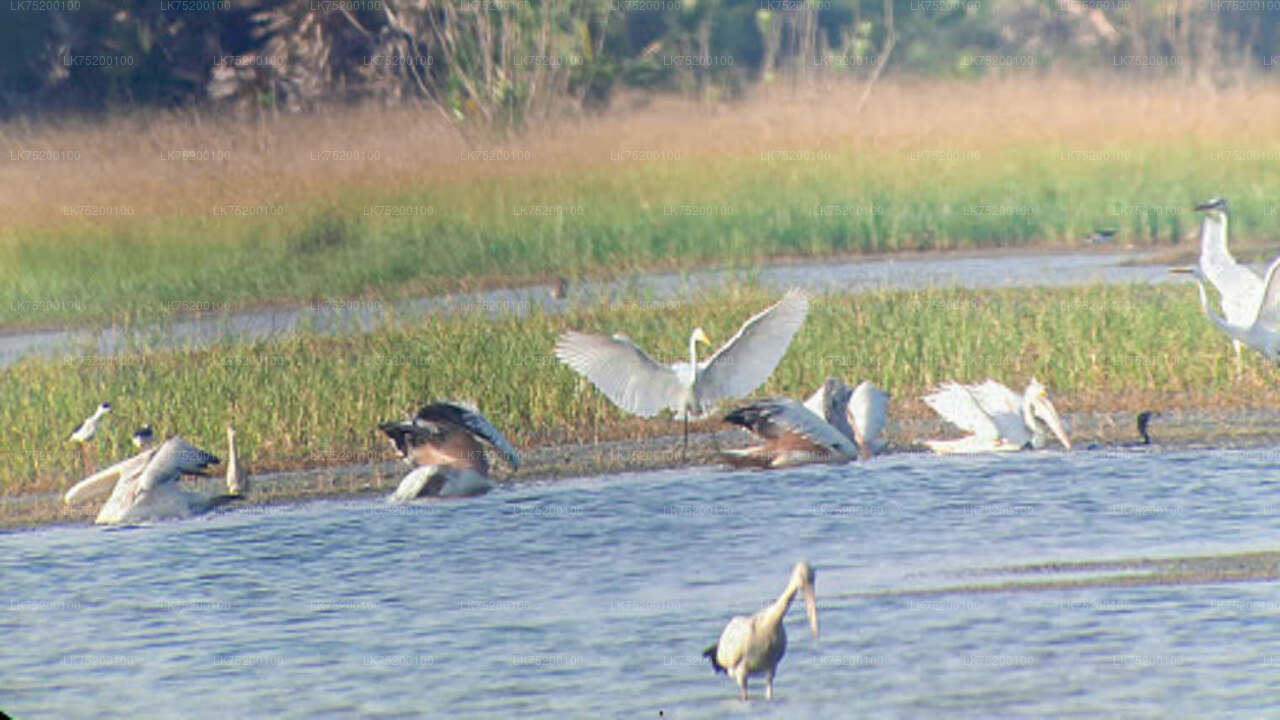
[(312, 401), (147, 217)]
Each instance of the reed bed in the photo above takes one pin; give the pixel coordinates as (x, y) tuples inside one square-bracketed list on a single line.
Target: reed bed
[(147, 217), (313, 401)]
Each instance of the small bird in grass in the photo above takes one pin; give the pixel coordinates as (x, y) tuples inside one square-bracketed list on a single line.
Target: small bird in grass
[(85, 431), (143, 437), (755, 645), (1100, 237)]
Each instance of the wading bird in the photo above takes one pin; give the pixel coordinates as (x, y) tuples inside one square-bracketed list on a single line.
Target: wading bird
[(833, 425), (237, 477), (85, 431), (640, 385), (755, 645), (1144, 419), (146, 487), (1259, 331), (143, 437), (996, 418), (1240, 287), (443, 440)]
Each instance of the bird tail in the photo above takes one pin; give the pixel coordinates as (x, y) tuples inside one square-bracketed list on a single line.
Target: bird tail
[(710, 654)]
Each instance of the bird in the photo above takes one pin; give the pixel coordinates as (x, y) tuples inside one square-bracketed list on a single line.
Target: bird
[(85, 431), (835, 424), (1144, 419), (996, 418), (754, 645), (1239, 287), (1259, 331), (639, 385), (1100, 237), (146, 487), (560, 290), (443, 441), (237, 481), (143, 437)]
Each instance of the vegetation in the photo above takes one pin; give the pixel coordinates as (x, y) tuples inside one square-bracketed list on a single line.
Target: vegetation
[(142, 218), (314, 401)]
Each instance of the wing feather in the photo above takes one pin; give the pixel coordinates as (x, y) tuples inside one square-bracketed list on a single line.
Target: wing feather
[(1004, 407), (1269, 309), (479, 425), (773, 418), (955, 404), (749, 358), (103, 479), (1239, 287), (868, 413), (175, 458), (622, 371)]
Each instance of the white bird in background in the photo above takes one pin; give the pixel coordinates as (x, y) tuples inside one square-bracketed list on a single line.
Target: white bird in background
[(831, 426), (443, 440), (996, 418), (146, 487), (1239, 287), (1258, 331), (640, 385), (85, 431), (755, 645), (143, 437)]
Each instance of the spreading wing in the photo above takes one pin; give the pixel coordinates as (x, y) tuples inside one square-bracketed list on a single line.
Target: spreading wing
[(175, 458), (868, 413), (775, 418), (103, 480), (955, 404), (749, 358), (1269, 309), (831, 403), (1004, 407), (473, 422), (622, 371), (1239, 287)]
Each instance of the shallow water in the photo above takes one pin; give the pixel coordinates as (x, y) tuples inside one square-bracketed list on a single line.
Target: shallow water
[(594, 597), (353, 317)]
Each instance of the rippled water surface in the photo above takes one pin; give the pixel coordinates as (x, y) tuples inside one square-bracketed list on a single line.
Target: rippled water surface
[(594, 598)]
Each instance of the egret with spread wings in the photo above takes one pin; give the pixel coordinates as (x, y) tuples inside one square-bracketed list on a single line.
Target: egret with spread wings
[(1258, 331), (444, 441), (1240, 287), (996, 418), (754, 645), (640, 385)]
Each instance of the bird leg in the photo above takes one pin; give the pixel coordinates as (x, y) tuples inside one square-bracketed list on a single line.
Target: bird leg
[(742, 687), (684, 449), (768, 686)]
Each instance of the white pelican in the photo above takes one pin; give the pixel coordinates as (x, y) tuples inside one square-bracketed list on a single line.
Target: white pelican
[(443, 440), (998, 420), (146, 485), (755, 645), (796, 434), (1240, 288), (868, 412), (85, 431), (1259, 330), (640, 385)]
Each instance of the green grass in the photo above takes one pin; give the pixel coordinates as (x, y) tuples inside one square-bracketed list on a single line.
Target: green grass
[(728, 209), (315, 401)]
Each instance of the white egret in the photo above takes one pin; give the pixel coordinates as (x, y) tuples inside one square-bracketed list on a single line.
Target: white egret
[(1260, 330), (640, 385), (996, 418), (443, 440), (146, 487), (754, 645), (1239, 287)]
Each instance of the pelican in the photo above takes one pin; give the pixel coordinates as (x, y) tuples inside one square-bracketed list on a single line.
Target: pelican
[(443, 440), (1240, 288), (996, 418), (146, 485), (755, 645), (868, 412), (85, 431), (639, 385), (1259, 330)]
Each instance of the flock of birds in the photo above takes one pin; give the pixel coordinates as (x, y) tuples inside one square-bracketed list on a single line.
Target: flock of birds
[(447, 443)]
